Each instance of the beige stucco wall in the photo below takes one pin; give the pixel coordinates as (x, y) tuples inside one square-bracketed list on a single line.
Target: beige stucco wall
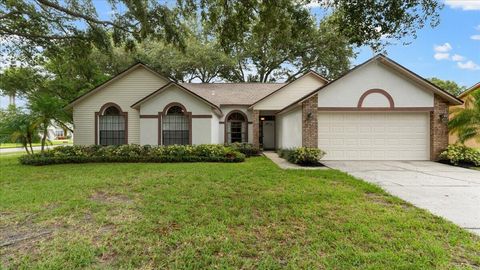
[(215, 132), (201, 127), (290, 93), (289, 129), (124, 92), (347, 91), (149, 131)]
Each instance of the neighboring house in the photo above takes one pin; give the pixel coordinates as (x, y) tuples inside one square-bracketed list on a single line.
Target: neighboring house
[(56, 132), (464, 97), (377, 111)]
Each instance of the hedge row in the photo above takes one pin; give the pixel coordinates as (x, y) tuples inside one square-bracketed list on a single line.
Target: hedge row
[(302, 155), (134, 153), (247, 149), (457, 154)]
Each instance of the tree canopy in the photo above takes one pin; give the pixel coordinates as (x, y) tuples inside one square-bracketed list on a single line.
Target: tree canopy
[(450, 86), (68, 47)]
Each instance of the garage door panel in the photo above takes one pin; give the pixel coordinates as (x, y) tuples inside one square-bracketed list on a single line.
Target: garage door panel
[(374, 135)]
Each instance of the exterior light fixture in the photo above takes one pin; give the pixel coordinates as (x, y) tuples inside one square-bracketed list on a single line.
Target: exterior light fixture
[(444, 118), (263, 118)]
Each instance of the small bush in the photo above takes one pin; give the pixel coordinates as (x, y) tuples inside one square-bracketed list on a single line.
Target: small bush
[(302, 155), (457, 154), (285, 153), (247, 149), (134, 153)]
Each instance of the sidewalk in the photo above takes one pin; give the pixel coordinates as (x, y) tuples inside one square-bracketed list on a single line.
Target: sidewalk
[(21, 149)]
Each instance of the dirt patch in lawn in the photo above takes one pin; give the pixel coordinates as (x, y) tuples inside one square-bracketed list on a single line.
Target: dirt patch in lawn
[(32, 235), (384, 200), (108, 198)]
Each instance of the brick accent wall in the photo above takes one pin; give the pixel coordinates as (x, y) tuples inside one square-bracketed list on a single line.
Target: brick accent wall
[(256, 128), (438, 128), (310, 122)]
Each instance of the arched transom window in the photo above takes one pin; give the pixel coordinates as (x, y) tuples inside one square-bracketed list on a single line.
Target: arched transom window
[(176, 126), (236, 129), (112, 126)]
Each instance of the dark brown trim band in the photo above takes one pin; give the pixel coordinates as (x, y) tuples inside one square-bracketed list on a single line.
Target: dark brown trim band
[(100, 112), (148, 116), (397, 109), (376, 91), (193, 116)]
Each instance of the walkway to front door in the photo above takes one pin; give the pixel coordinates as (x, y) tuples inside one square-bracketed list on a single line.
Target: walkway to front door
[(447, 191)]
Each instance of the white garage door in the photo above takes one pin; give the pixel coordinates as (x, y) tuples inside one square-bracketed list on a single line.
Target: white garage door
[(374, 136)]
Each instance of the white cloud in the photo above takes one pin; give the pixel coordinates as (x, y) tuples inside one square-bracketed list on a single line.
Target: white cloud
[(464, 4), (458, 58), (446, 47), (470, 65), (441, 56), (477, 27), (475, 37)]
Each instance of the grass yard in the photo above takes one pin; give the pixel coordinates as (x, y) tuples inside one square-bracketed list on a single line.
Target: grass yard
[(197, 216), (18, 145)]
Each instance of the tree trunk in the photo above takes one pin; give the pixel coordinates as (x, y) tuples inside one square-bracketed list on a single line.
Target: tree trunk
[(30, 143), (26, 148), (44, 136)]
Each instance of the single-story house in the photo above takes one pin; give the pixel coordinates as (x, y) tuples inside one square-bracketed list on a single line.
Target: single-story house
[(465, 96), (379, 110)]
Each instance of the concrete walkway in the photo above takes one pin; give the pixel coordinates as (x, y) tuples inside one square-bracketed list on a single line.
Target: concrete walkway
[(447, 191), (284, 164)]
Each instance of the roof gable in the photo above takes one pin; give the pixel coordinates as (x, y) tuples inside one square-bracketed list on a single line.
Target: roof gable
[(420, 80), (137, 104), (113, 79), (387, 63)]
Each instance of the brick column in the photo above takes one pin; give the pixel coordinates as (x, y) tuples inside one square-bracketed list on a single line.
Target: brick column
[(438, 128), (310, 122), (256, 128)]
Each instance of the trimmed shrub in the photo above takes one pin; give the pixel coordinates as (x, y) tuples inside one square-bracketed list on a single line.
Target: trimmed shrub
[(302, 155), (134, 153), (247, 149), (457, 154), (285, 153)]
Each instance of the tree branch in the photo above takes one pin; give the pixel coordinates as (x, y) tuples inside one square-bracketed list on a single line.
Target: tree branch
[(31, 36), (82, 16)]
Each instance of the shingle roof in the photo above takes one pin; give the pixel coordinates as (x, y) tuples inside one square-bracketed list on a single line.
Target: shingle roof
[(232, 93)]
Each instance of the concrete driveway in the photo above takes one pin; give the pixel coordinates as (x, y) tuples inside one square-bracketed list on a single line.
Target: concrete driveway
[(447, 191)]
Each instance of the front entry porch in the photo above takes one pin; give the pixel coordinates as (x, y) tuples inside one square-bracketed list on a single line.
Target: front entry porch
[(264, 130)]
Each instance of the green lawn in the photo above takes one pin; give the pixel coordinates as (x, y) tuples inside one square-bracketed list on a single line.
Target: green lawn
[(17, 145), (250, 215)]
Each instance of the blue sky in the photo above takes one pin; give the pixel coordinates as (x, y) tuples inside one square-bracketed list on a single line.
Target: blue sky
[(450, 51)]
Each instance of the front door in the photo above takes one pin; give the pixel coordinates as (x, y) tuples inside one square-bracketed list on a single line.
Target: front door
[(268, 134)]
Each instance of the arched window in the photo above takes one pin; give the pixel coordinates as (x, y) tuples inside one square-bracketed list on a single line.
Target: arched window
[(112, 126), (176, 126), (236, 127)]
